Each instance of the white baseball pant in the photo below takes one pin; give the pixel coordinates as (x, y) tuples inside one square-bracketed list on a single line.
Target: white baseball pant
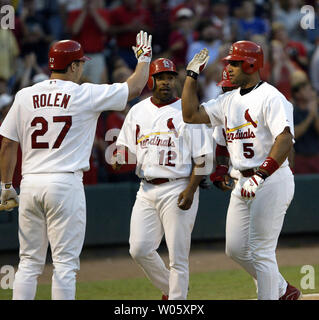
[(253, 228), (155, 212), (52, 210)]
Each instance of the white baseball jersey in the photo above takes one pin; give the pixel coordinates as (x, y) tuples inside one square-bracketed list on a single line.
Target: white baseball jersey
[(163, 143), (55, 123), (252, 122), (219, 135)]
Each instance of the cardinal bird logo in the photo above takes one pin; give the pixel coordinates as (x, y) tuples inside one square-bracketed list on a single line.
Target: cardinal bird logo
[(249, 119), (171, 126)]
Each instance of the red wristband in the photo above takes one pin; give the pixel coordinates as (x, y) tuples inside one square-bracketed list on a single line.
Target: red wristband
[(220, 172), (270, 165)]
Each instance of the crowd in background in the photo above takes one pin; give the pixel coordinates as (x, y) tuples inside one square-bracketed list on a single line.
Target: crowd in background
[(107, 30)]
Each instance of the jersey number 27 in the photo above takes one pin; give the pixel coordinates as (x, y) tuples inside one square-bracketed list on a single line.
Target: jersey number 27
[(44, 128)]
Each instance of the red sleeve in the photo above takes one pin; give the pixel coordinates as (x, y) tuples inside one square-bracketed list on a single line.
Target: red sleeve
[(221, 151)]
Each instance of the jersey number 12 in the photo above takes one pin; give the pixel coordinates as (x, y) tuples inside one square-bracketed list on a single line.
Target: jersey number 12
[(167, 158)]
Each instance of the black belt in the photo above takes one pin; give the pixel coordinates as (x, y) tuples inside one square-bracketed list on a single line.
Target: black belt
[(157, 181)]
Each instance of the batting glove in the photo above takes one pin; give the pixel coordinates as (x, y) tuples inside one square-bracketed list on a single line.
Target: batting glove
[(143, 49), (251, 186), (8, 192), (198, 63)]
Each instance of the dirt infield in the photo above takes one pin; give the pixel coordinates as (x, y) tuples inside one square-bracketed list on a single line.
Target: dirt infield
[(115, 263)]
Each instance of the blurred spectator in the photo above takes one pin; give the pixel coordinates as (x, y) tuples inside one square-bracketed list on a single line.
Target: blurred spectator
[(282, 68), (90, 26), (181, 37), (50, 10), (265, 72), (295, 50), (37, 35), (306, 121), (3, 86), (160, 15), (8, 53), (126, 21), (248, 24), (110, 124), (200, 8), (212, 76), (314, 69), (5, 104), (288, 12), (31, 69), (208, 37), (221, 17)]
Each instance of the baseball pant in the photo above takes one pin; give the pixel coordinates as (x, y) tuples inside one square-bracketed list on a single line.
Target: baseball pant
[(154, 214), (52, 211), (253, 228)]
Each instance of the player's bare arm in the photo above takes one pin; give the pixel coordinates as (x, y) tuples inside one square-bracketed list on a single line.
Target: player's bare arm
[(192, 111), (143, 52), (281, 148), (277, 155), (186, 197), (8, 159)]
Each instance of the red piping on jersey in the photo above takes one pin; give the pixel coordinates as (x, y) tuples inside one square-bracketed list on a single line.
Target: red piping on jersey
[(163, 105)]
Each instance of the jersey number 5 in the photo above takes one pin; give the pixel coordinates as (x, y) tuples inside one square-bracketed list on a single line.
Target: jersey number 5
[(44, 128), (248, 151)]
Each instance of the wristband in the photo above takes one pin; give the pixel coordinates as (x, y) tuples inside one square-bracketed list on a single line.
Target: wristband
[(220, 172), (192, 74), (261, 174), (270, 165)]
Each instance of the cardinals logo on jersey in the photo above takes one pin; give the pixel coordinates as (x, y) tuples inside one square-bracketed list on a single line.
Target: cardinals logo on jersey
[(249, 119), (171, 126)]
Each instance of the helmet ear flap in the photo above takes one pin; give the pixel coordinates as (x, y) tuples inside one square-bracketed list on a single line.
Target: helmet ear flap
[(249, 66), (151, 83)]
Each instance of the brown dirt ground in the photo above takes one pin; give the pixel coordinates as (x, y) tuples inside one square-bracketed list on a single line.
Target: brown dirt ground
[(115, 263)]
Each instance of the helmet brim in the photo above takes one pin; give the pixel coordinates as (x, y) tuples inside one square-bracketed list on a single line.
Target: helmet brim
[(85, 58), (233, 58)]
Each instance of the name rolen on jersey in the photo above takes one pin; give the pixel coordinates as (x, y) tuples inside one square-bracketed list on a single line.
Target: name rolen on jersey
[(57, 119)]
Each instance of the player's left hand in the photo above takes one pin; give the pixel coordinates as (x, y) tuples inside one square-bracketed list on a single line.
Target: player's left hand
[(185, 199), (199, 61), (251, 186), (143, 49)]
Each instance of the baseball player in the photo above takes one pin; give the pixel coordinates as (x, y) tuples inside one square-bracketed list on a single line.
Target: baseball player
[(167, 200), (259, 133), (55, 121)]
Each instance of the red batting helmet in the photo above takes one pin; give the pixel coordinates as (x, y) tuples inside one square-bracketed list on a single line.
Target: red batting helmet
[(225, 82), (158, 66), (64, 52), (249, 52)]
